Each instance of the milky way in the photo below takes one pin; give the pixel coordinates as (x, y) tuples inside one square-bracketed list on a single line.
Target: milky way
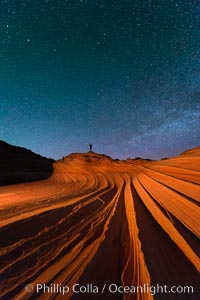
[(123, 75)]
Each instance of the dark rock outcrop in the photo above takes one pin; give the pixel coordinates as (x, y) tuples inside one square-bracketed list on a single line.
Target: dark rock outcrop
[(19, 165)]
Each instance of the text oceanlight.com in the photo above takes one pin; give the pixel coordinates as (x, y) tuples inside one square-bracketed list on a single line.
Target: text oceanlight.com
[(108, 288)]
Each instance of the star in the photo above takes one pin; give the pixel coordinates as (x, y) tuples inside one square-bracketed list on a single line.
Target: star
[(115, 72)]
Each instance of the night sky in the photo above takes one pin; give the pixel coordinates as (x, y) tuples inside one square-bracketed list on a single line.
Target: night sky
[(122, 74)]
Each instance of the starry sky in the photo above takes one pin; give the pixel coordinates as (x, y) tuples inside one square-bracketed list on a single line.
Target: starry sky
[(121, 74)]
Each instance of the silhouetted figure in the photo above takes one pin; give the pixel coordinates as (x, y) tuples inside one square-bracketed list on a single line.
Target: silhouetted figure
[(90, 145)]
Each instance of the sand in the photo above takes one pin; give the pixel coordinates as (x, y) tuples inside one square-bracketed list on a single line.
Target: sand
[(98, 221)]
